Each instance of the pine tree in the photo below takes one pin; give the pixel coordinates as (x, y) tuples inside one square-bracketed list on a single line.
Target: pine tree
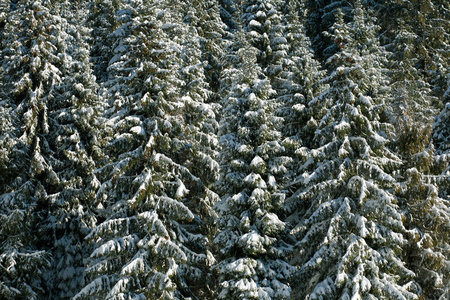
[(329, 179), (250, 256), (424, 194), (104, 23), (299, 84), (213, 39), (73, 108), (287, 61), (319, 18), (415, 30), (348, 222), (154, 200), (418, 68), (428, 219), (30, 64), (200, 69)]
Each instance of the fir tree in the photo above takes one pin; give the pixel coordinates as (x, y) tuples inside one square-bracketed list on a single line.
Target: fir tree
[(415, 31), (417, 72), (423, 192), (299, 84), (250, 257), (110, 160), (212, 37), (154, 198), (428, 217), (72, 137), (30, 61), (103, 22), (348, 223)]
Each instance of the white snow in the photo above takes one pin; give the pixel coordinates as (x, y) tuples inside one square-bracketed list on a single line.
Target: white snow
[(139, 130)]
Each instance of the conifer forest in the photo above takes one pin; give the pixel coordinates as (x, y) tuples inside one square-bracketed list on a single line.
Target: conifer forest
[(225, 149)]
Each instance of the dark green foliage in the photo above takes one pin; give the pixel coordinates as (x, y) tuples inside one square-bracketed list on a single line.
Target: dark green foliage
[(154, 198), (231, 149), (250, 247), (345, 247)]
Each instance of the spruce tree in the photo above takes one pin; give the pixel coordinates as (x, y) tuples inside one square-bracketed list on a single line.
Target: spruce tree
[(428, 217), (423, 192), (73, 111), (30, 61), (299, 83), (250, 247), (415, 32), (348, 222), (212, 37), (154, 200), (103, 22), (417, 72)]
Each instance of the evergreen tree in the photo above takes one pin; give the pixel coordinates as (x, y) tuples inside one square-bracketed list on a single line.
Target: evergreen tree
[(424, 194), (417, 72), (154, 200), (261, 19), (415, 32), (212, 37), (30, 61), (103, 22), (73, 108), (287, 61), (428, 218), (110, 158), (348, 223), (319, 18), (299, 84), (49, 79), (250, 256)]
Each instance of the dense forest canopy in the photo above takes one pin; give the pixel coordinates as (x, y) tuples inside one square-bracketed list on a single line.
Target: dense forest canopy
[(225, 149)]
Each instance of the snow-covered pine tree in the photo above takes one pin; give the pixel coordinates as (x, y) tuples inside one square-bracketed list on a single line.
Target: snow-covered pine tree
[(299, 84), (347, 220), (30, 60), (416, 32), (151, 241), (441, 138), (73, 109), (103, 22), (423, 193), (412, 94), (274, 29), (262, 21), (428, 219), (213, 39), (202, 46), (250, 248), (319, 16)]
